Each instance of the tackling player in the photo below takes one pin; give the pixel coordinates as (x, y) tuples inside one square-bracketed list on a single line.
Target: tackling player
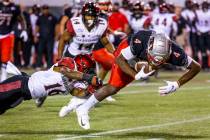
[(157, 50), (9, 14), (61, 78)]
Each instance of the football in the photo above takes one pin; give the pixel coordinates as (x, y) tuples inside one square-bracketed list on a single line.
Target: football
[(140, 64)]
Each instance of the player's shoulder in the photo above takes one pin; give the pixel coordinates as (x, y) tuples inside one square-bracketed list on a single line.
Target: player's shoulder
[(102, 21), (75, 20)]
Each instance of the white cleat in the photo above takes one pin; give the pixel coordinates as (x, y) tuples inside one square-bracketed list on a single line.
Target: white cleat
[(83, 118), (110, 99), (64, 111)]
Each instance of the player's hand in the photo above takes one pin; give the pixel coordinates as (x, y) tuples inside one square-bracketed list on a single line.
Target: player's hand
[(141, 75), (24, 35), (96, 81), (170, 88)]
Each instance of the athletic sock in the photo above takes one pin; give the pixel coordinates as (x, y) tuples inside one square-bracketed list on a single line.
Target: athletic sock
[(90, 103), (3, 72)]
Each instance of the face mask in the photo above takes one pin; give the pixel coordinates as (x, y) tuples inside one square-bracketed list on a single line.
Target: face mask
[(90, 22), (137, 16)]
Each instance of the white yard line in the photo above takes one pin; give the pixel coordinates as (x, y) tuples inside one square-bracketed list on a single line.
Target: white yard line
[(136, 128)]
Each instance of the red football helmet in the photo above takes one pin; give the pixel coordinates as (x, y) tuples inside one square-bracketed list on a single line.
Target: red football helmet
[(67, 62), (84, 63)]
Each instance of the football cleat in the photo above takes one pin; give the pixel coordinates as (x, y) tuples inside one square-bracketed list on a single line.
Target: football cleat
[(83, 118)]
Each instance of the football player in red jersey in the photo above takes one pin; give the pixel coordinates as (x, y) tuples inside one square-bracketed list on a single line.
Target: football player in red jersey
[(9, 14), (145, 45), (66, 76)]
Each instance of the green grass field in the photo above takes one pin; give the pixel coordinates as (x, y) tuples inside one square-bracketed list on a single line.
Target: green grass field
[(139, 113)]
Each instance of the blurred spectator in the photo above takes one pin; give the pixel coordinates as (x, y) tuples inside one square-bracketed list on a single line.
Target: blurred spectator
[(189, 16), (45, 34), (203, 30)]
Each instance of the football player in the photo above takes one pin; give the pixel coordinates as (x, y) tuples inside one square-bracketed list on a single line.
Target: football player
[(157, 50), (83, 32), (138, 18), (9, 14), (82, 90), (61, 78), (202, 25), (164, 22), (189, 15)]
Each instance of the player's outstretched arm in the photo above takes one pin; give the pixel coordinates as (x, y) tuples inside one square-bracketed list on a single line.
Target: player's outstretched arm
[(107, 44), (193, 69), (124, 66), (71, 74)]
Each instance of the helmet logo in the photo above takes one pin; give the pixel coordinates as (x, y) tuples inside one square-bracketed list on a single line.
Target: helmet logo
[(137, 41), (176, 54)]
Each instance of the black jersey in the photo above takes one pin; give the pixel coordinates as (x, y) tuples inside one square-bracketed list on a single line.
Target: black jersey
[(139, 43), (8, 17)]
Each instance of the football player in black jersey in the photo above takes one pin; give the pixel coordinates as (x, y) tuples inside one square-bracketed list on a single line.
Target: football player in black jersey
[(9, 14), (145, 45)]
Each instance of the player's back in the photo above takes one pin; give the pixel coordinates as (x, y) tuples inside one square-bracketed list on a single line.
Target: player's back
[(43, 83)]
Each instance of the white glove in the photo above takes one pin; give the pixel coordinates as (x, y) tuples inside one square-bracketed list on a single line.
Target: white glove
[(24, 35), (171, 87), (141, 75)]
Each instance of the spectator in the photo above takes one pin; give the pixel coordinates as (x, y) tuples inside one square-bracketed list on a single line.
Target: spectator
[(45, 29)]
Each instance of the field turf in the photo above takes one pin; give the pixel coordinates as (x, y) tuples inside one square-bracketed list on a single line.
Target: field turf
[(138, 113)]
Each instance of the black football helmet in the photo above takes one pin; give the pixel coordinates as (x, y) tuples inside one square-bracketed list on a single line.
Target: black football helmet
[(90, 9)]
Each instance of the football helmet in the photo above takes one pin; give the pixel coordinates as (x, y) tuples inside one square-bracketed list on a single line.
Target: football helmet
[(188, 4), (105, 5), (163, 8), (138, 9), (90, 13), (205, 5), (84, 63), (68, 63), (159, 49)]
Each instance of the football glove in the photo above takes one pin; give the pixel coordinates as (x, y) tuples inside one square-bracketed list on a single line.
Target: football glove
[(169, 88), (24, 35), (141, 75)]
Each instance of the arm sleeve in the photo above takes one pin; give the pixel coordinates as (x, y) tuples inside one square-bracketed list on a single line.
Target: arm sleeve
[(127, 54), (178, 56), (70, 28)]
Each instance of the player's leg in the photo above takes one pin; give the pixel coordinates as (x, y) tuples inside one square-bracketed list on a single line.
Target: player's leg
[(117, 81), (6, 49), (12, 92), (105, 59)]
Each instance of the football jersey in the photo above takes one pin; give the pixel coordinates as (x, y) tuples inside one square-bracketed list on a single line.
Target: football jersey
[(203, 21), (163, 23), (138, 24), (139, 43), (8, 16), (83, 40), (189, 17)]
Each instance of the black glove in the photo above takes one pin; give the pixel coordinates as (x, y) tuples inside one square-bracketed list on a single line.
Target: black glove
[(92, 79)]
